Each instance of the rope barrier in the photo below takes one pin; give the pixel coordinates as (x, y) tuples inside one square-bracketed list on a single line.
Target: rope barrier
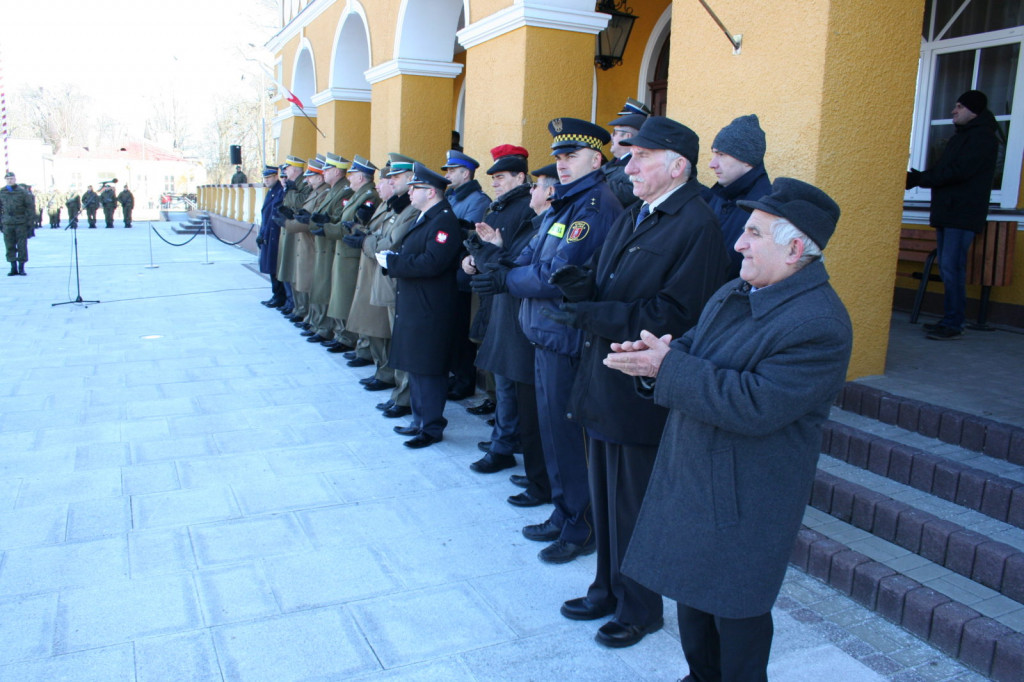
[(172, 243), (251, 228)]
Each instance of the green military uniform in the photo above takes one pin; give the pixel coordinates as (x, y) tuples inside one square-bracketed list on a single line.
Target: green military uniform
[(346, 258), (73, 202), (303, 256), (54, 205), (371, 321), (294, 196), (109, 202), (91, 202), (332, 205), (18, 207), (127, 201)]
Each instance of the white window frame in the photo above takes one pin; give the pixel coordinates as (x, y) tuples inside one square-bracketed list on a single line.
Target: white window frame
[(1006, 196)]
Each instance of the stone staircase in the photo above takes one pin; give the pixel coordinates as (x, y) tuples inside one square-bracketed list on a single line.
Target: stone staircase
[(197, 222), (917, 513)]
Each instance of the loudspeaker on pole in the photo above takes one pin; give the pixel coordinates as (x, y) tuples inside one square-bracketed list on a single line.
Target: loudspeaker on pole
[(236, 154)]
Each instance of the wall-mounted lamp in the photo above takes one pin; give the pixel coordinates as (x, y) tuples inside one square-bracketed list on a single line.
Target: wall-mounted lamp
[(611, 42)]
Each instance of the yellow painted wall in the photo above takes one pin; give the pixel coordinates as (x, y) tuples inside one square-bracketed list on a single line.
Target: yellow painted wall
[(834, 107), (382, 17), (347, 125), (298, 138), (412, 115), (480, 9), (321, 36)]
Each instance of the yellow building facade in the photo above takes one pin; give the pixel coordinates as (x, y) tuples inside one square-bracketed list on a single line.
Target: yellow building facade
[(837, 84)]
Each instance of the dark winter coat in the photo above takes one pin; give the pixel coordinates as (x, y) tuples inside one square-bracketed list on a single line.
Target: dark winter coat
[(657, 278), (573, 229), (620, 184), (270, 231), (752, 185), (425, 302), (748, 389), (469, 203), (505, 350), (961, 180)]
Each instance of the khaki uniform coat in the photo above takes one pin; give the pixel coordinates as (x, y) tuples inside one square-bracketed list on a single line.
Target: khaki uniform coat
[(294, 196), (305, 255), (346, 259), (382, 290), (365, 318), (332, 204)]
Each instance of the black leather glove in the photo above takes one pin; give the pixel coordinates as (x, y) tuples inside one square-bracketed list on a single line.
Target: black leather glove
[(302, 217), (320, 218), (355, 240), (348, 225), (490, 281), (287, 212), (566, 314), (574, 282), (913, 178), (317, 231), (259, 242)]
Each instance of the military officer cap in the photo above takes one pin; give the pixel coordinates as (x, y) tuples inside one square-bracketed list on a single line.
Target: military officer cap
[(575, 133), (633, 114), (270, 170), (314, 167), (508, 158), (336, 161), (421, 175), (9, 174), (659, 132), (295, 161), (457, 159), (363, 165), (399, 164), (548, 171)]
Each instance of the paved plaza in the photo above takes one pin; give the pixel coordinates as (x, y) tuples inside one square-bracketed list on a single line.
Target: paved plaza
[(189, 491)]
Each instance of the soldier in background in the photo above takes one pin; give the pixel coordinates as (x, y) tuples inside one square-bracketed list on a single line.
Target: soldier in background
[(239, 178), (109, 202), (91, 202), (127, 201), (54, 204), (18, 208), (74, 204)]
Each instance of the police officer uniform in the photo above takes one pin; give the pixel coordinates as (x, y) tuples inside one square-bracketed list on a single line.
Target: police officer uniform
[(425, 310)]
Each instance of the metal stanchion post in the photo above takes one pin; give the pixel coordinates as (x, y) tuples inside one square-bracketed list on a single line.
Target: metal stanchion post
[(151, 247), (206, 241)]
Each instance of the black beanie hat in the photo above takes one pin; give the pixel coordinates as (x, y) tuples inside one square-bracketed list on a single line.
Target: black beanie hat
[(975, 100), (742, 139)]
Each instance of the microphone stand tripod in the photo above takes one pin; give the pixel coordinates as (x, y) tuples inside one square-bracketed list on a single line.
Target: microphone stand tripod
[(73, 226)]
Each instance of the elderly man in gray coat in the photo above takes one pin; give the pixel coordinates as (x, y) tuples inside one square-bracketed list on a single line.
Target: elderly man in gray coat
[(748, 389)]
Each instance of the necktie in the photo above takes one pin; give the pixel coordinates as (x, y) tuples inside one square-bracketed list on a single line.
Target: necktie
[(645, 211)]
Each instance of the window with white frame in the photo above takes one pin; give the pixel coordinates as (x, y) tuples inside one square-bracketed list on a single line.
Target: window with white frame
[(971, 45)]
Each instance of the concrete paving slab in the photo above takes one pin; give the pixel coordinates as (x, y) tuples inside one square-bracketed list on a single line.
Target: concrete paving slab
[(183, 507), (161, 551), (84, 485), (149, 478), (222, 470), (332, 575), (27, 626), (52, 567), (231, 594), (283, 493), (248, 539), (109, 664), (105, 455), (31, 526), (449, 669), (190, 656), (89, 519)]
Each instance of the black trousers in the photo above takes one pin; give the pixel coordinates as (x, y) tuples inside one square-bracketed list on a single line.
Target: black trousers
[(529, 439), (427, 396), (618, 481), (725, 649)]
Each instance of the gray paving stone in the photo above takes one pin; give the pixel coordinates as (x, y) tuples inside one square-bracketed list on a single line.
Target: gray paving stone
[(321, 643), (90, 519), (450, 669), (182, 507), (102, 455), (26, 627), (164, 407), (254, 439), (332, 575), (149, 478), (283, 493), (322, 459), (31, 526), (51, 567), (84, 485), (177, 448), (231, 594), (142, 430), (205, 472), (248, 539), (382, 523), (109, 664), (161, 551)]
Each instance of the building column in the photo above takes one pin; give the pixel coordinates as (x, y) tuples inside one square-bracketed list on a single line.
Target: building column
[(344, 115), (836, 111), (298, 135), (526, 65), (412, 100)]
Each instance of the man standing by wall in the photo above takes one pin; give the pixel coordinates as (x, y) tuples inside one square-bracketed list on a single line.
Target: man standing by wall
[(18, 209), (748, 389), (239, 178), (127, 201), (961, 183)]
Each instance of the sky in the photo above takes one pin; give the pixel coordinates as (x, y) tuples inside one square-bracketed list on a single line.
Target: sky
[(128, 54)]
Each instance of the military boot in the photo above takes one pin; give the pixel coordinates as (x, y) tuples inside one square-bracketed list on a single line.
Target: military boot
[(21, 267), (14, 269)]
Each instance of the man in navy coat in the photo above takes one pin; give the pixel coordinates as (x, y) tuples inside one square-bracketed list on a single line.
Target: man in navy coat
[(269, 235)]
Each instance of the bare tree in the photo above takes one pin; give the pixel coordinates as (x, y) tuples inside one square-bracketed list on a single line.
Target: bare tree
[(58, 115), (169, 122)]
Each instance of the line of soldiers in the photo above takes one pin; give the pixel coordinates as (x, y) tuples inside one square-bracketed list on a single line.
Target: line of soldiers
[(566, 260), (50, 203)]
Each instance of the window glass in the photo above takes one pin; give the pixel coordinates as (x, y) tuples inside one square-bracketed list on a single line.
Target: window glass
[(953, 74), (980, 16), (997, 72)]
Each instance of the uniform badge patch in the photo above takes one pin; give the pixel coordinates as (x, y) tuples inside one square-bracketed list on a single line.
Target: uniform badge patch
[(441, 237), (557, 230), (578, 231)]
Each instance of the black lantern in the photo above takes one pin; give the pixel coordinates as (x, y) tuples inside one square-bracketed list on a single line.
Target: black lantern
[(611, 42)]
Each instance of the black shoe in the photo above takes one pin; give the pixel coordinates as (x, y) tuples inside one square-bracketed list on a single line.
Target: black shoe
[(350, 354), (461, 395), (301, 325), (542, 532), (931, 327), (519, 480), (407, 430), (397, 411), (366, 380), (945, 334), (377, 385), (421, 441), (486, 407), (308, 333), (385, 405), (525, 499), (267, 302), (336, 349), (582, 608), (484, 446), (618, 635), (492, 463), (360, 362), (561, 552), (328, 343), (490, 422), (316, 338), (286, 311)]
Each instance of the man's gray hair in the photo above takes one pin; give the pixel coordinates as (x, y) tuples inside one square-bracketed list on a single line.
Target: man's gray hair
[(783, 231), (671, 155)]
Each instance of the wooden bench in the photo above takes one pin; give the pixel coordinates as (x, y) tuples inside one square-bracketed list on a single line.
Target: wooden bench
[(989, 261)]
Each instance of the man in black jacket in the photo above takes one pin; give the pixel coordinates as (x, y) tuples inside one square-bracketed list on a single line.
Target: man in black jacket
[(961, 183), (660, 264)]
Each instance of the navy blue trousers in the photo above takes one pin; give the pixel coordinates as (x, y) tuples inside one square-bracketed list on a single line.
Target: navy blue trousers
[(427, 396)]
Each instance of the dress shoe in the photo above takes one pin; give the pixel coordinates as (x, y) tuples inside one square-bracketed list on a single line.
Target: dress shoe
[(407, 430), (582, 608), (359, 362), (328, 343), (350, 355), (377, 385), (384, 405), (285, 310), (542, 532), (525, 499), (941, 334), (619, 635), (490, 422), (486, 407), (296, 318), (397, 411), (347, 349), (484, 446), (492, 463), (308, 333), (421, 441), (267, 302), (561, 552), (366, 380), (316, 338), (336, 349), (930, 327), (519, 480), (461, 395), (301, 325)]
